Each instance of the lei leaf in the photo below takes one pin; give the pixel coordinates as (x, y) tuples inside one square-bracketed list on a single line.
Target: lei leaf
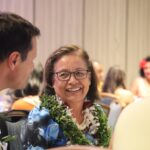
[(8, 138), (103, 130), (59, 114), (70, 129)]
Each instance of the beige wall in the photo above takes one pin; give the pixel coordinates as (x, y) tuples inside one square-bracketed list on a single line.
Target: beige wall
[(115, 32)]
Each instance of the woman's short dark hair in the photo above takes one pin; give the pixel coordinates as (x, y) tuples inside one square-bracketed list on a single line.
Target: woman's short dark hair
[(16, 34), (55, 56), (141, 71)]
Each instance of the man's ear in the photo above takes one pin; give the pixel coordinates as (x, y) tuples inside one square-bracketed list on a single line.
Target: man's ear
[(13, 59)]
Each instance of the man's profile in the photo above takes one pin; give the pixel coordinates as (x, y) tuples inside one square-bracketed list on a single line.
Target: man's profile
[(17, 53)]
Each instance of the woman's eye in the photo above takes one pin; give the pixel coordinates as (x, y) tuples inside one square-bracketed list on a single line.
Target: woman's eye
[(64, 74), (79, 73)]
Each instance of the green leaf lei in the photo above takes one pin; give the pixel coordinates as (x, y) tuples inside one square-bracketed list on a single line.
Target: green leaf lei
[(70, 129), (8, 138)]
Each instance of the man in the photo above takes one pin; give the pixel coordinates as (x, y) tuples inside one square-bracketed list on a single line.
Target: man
[(17, 53)]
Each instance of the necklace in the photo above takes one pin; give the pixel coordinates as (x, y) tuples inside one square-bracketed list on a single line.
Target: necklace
[(97, 123)]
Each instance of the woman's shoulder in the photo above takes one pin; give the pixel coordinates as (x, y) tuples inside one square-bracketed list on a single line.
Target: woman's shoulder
[(124, 92), (125, 96), (139, 80)]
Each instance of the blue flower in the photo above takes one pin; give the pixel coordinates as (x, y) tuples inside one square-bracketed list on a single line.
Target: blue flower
[(90, 137), (37, 114), (34, 115), (62, 140), (51, 131), (35, 148), (44, 112)]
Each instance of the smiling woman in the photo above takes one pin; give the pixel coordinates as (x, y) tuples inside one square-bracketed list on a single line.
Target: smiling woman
[(67, 115)]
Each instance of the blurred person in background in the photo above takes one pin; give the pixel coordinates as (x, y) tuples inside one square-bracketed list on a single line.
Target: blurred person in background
[(115, 94), (99, 70), (141, 86), (28, 98), (115, 84)]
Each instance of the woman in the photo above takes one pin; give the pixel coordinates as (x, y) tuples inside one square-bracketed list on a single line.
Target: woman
[(115, 84), (99, 70), (141, 86), (67, 114)]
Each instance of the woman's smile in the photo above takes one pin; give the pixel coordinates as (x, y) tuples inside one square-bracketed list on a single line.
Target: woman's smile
[(77, 89)]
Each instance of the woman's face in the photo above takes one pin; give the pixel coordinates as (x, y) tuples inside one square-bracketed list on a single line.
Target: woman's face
[(147, 70), (71, 90)]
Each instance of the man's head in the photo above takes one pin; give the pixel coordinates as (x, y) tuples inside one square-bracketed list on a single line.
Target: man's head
[(17, 49), (16, 34)]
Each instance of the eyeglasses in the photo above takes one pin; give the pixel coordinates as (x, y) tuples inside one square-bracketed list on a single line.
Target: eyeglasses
[(66, 75)]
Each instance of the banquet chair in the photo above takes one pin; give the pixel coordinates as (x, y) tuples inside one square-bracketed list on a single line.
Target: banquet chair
[(14, 120), (107, 98)]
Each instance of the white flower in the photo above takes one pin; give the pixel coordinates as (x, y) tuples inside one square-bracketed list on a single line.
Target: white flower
[(68, 111), (90, 120), (60, 102)]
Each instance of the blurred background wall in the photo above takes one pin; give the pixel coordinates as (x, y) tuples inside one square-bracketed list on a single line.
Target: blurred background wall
[(114, 32)]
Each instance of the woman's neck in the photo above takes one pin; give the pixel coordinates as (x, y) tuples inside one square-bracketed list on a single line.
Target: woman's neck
[(76, 110)]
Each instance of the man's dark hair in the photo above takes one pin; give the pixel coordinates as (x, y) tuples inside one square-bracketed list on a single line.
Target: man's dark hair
[(16, 34)]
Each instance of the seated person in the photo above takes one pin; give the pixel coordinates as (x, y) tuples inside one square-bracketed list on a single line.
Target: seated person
[(132, 131), (117, 96), (28, 97), (68, 114), (114, 84), (141, 86), (99, 70)]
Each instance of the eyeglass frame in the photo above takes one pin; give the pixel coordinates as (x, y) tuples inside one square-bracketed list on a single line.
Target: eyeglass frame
[(70, 73)]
